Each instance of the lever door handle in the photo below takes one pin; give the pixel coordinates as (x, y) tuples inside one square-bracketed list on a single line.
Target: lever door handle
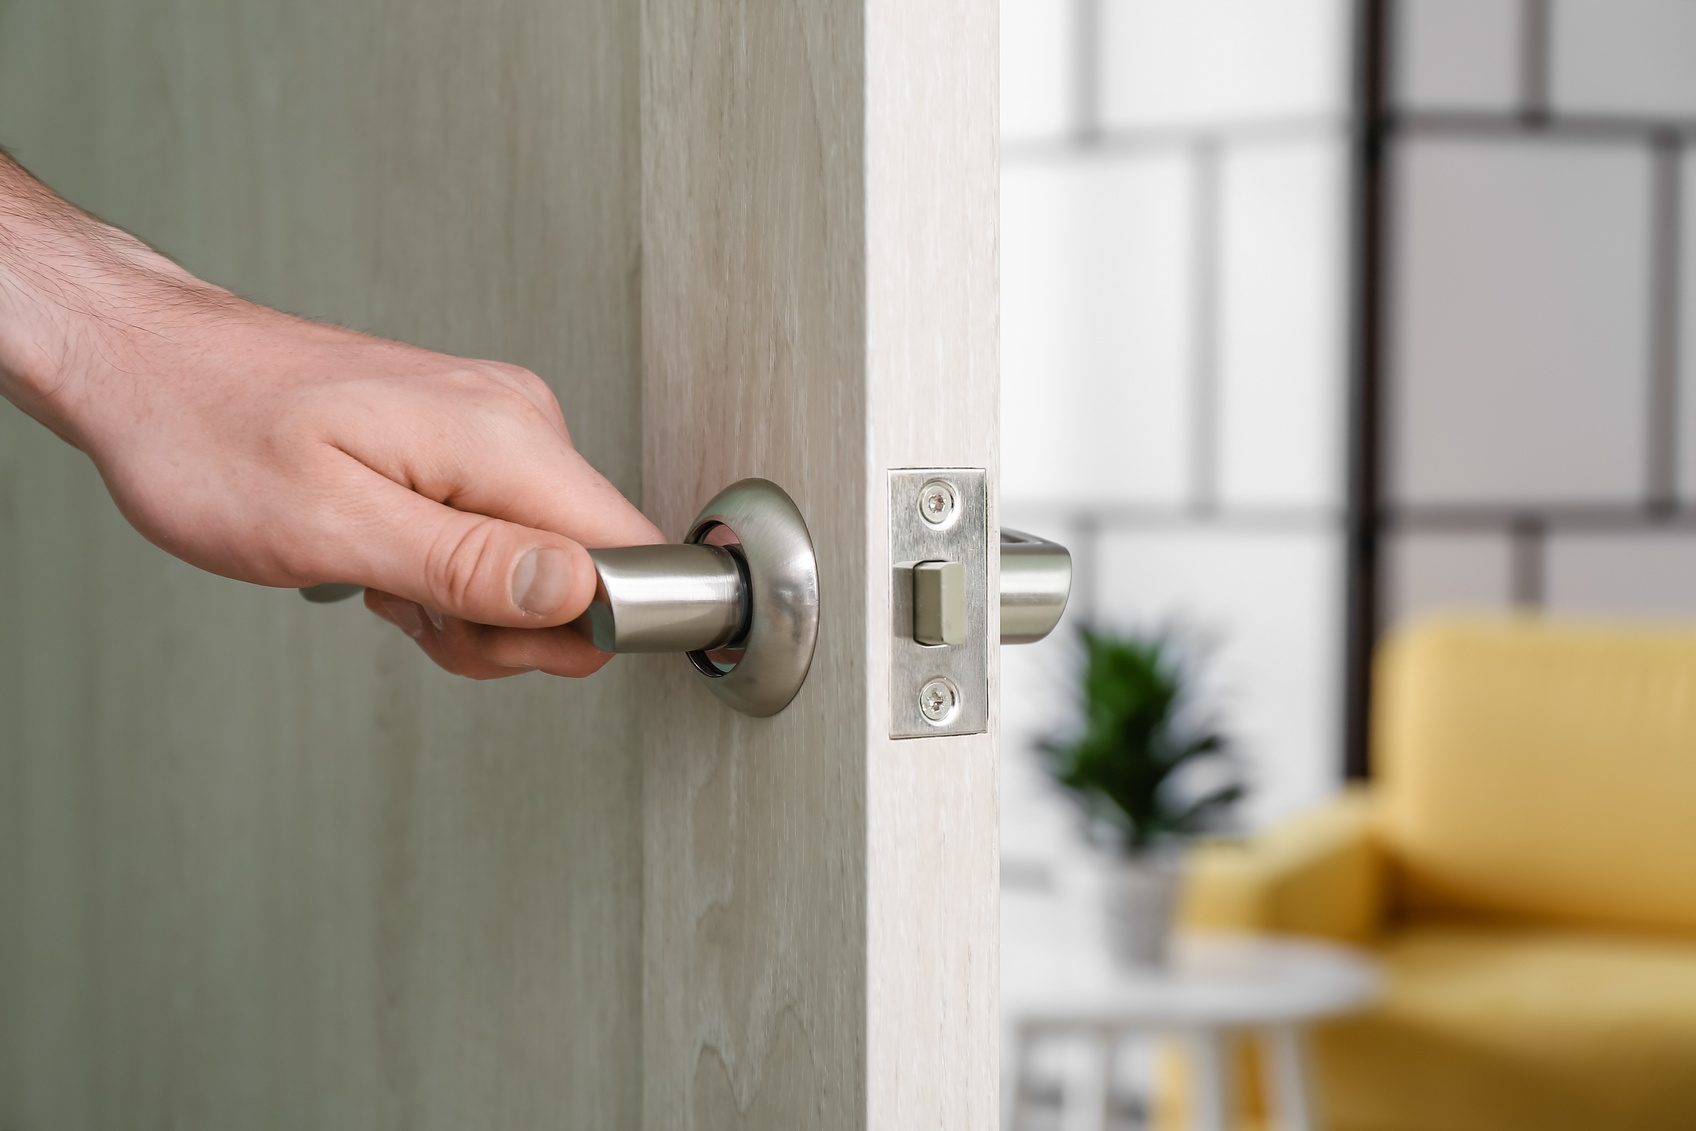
[(739, 596), (1036, 582), (685, 598)]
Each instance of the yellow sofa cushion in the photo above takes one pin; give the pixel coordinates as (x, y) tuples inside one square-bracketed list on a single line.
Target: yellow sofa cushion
[(1541, 771), (1498, 1029)]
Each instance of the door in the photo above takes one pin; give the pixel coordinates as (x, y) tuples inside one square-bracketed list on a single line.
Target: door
[(264, 866)]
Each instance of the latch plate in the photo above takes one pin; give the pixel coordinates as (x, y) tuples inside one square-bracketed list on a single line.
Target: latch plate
[(939, 515)]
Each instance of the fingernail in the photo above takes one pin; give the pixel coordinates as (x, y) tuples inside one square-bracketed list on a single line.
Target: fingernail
[(408, 617), (542, 580), (436, 619)]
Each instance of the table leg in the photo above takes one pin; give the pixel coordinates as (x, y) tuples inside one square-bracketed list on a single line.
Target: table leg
[(1109, 1053), (1012, 1074), (1215, 1080), (1088, 1088), (1290, 1079)]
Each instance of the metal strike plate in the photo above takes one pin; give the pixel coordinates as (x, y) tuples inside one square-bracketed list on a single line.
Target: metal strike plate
[(939, 515)]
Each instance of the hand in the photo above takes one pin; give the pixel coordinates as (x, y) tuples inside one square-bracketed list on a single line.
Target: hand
[(283, 452)]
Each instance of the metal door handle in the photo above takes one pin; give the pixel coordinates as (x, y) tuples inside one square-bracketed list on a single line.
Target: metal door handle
[(686, 598), (1036, 581), (740, 597)]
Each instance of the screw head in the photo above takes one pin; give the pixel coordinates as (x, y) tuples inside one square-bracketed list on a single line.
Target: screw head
[(939, 700), (938, 502)]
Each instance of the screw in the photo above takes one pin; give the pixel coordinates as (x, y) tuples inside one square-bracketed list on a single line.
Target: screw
[(937, 502), (938, 700)]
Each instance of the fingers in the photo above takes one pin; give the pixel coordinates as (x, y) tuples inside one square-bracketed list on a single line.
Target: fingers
[(475, 504), (556, 651), (486, 652), (470, 566), (551, 487), (495, 447)]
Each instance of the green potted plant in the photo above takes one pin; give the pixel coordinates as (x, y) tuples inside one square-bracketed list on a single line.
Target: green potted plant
[(1134, 760)]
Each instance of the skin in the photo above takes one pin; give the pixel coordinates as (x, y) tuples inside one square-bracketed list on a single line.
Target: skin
[(283, 452)]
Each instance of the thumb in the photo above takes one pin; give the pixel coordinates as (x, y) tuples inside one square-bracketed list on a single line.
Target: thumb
[(471, 566)]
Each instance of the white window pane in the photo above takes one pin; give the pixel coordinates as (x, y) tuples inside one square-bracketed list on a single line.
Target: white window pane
[(1096, 336), (1036, 69), (1458, 54), (1179, 62), (1624, 57), (1283, 324), (1638, 574), (1520, 322), (1270, 600), (1433, 572)]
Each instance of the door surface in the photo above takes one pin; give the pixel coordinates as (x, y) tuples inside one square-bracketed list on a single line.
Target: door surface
[(261, 864)]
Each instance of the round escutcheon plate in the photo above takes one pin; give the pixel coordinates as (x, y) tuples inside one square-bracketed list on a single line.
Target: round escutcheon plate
[(757, 521)]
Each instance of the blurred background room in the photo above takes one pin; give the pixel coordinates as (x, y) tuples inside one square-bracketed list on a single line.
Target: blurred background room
[(1321, 318)]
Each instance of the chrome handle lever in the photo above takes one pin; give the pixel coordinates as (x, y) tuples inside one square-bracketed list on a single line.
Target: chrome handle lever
[(687, 598), (1036, 582), (740, 596)]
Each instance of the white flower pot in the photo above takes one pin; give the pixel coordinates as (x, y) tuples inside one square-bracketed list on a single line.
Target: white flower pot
[(1140, 895)]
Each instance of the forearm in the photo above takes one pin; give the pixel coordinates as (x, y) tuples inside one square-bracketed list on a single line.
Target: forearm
[(73, 289)]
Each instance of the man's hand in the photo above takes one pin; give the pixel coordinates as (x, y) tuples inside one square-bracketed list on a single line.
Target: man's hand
[(284, 452)]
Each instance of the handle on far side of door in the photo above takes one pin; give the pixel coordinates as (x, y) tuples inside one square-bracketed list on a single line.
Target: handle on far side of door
[(1036, 582)]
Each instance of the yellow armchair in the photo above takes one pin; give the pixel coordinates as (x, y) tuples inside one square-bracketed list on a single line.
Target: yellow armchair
[(1524, 866)]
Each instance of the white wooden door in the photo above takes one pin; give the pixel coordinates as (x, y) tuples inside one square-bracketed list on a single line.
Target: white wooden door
[(262, 865)]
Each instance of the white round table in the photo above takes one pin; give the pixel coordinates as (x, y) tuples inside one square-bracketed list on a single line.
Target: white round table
[(1057, 979)]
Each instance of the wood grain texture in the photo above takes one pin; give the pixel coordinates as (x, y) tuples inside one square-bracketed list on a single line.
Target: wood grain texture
[(819, 215), (753, 305), (932, 170), (261, 865)]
